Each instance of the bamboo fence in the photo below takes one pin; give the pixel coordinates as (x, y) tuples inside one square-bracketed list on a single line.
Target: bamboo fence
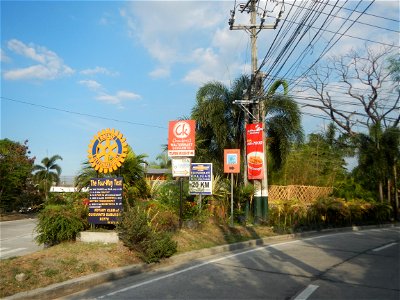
[(301, 192)]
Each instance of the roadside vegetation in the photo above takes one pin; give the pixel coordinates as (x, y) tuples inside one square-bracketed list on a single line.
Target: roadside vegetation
[(152, 228)]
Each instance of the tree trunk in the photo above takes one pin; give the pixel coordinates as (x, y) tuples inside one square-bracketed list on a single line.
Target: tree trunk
[(396, 193), (380, 191)]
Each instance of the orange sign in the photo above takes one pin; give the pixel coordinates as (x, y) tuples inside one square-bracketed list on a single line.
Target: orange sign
[(181, 138), (231, 160)]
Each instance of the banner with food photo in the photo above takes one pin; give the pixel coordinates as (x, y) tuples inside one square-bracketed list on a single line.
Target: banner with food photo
[(255, 151)]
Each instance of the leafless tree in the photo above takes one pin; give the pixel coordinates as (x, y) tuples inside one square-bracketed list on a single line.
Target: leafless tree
[(370, 96)]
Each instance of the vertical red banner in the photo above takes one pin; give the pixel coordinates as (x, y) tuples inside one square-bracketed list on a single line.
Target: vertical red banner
[(255, 151)]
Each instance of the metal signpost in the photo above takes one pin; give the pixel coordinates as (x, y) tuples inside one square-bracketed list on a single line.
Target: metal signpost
[(232, 165), (200, 180)]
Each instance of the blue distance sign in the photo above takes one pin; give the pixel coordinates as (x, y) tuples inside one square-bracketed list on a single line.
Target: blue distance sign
[(200, 179), (105, 200)]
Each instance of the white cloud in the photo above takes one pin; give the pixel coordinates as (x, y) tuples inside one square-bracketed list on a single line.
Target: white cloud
[(98, 70), (91, 84), (118, 98), (174, 34), (50, 66), (103, 96), (4, 57), (160, 73)]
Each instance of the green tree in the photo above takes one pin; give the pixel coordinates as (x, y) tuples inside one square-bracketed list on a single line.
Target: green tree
[(16, 187), (133, 173), (221, 123), (47, 173), (164, 162), (378, 157), (318, 162), (282, 122)]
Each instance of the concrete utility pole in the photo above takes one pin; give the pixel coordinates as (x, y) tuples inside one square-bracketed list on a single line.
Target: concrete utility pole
[(253, 96)]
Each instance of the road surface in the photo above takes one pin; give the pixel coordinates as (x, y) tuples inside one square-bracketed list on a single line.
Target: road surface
[(351, 265), (17, 238)]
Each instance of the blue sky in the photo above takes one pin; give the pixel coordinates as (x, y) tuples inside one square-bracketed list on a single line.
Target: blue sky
[(139, 62)]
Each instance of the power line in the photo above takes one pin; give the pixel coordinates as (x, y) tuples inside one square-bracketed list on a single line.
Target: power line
[(79, 113), (376, 16), (359, 22), (354, 37), (327, 47)]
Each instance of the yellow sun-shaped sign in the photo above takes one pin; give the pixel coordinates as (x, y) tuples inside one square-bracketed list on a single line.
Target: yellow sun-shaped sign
[(107, 151)]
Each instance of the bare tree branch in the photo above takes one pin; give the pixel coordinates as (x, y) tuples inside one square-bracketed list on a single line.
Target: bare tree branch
[(367, 81)]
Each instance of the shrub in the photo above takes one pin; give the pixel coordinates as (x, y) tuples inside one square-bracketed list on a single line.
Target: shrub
[(138, 232), (158, 245), (58, 223)]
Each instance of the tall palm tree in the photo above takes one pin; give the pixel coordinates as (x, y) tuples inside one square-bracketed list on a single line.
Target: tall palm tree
[(221, 123), (47, 173), (282, 122)]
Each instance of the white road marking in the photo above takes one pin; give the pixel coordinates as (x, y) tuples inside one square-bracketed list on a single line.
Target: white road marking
[(10, 251), (192, 268), (220, 259), (306, 292), (384, 247)]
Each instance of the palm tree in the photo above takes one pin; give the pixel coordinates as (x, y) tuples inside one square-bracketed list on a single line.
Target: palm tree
[(47, 173), (282, 123), (221, 123)]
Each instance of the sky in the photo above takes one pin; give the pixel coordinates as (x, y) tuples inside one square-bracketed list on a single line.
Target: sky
[(72, 68)]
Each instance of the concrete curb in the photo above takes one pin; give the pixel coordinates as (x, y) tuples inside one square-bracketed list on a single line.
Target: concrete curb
[(78, 284)]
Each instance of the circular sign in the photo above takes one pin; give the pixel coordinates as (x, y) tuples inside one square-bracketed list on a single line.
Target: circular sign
[(107, 151), (182, 130)]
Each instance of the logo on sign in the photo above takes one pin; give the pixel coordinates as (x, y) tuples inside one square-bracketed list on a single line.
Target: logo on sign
[(181, 130)]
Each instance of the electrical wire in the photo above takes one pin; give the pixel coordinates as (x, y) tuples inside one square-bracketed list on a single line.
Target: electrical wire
[(80, 114), (328, 48), (359, 22)]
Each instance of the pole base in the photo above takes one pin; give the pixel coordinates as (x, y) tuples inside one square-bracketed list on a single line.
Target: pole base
[(260, 209)]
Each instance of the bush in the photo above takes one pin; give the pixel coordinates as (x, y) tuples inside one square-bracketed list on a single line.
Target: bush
[(58, 223), (137, 233), (156, 246)]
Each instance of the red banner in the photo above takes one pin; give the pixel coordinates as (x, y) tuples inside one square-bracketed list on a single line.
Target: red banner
[(255, 151), (181, 138)]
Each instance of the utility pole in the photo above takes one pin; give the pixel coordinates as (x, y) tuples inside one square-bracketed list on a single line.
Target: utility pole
[(255, 92)]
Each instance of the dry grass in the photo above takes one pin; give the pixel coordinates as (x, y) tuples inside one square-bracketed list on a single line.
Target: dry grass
[(75, 259)]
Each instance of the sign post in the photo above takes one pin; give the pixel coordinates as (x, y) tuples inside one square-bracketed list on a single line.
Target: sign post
[(181, 144), (200, 180), (106, 153), (231, 165)]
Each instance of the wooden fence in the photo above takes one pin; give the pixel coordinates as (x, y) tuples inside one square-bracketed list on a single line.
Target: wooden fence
[(300, 192)]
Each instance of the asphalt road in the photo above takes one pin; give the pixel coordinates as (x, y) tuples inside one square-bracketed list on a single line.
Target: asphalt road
[(349, 265), (17, 238)]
